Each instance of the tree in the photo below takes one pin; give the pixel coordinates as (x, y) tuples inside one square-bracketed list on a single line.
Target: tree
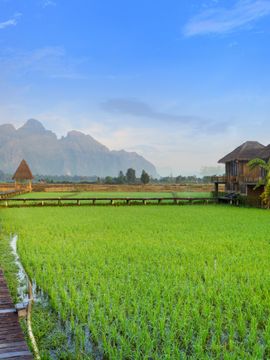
[(121, 178), (131, 176), (264, 182), (108, 180), (145, 178)]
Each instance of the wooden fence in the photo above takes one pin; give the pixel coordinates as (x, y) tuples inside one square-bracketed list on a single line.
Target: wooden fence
[(11, 202), (11, 193)]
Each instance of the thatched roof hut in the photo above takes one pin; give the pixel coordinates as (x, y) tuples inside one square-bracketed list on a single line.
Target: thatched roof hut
[(245, 152), (23, 172)]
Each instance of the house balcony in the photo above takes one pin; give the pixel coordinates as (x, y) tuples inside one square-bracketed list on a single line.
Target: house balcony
[(219, 179), (249, 180), (235, 179)]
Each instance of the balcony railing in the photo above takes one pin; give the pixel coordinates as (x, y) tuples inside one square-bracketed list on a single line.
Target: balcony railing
[(219, 179), (236, 179)]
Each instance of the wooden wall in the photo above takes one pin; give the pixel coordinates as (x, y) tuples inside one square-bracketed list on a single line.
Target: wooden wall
[(253, 196)]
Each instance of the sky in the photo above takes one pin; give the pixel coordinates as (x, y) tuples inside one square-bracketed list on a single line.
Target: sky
[(180, 82)]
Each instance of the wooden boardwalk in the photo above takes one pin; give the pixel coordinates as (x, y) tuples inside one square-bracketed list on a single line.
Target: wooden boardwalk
[(12, 343), (11, 193), (70, 201)]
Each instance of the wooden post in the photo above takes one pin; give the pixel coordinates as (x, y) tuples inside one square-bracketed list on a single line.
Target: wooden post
[(216, 189)]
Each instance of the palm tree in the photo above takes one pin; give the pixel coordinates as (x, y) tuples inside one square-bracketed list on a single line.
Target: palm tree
[(265, 165)]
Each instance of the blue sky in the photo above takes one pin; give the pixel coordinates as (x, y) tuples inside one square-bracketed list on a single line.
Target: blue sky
[(180, 82)]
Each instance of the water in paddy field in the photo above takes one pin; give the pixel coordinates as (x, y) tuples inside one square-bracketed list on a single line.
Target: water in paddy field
[(21, 275), (42, 300)]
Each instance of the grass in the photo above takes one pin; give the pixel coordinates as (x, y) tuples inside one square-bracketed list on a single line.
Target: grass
[(152, 282), (108, 195), (113, 194), (7, 264)]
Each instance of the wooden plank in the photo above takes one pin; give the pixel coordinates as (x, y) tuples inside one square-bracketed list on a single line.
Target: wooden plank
[(77, 201), (15, 354), (5, 311), (12, 342)]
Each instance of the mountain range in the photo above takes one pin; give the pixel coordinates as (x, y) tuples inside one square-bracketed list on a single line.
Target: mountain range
[(73, 154)]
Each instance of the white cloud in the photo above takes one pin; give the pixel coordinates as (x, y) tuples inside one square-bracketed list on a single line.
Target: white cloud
[(11, 22), (225, 20), (50, 61), (47, 3), (138, 109)]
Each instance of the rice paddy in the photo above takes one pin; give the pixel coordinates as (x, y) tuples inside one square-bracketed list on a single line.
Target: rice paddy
[(188, 282), (104, 198), (115, 194)]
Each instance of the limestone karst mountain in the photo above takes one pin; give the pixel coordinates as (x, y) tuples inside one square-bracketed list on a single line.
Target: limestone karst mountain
[(74, 154)]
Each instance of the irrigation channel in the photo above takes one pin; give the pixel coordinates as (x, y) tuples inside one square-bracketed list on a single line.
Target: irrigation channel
[(29, 293)]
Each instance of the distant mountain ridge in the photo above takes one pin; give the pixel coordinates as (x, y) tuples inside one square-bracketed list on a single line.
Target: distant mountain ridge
[(74, 154)]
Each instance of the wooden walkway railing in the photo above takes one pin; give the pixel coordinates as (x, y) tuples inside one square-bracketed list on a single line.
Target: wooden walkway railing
[(68, 201), (11, 193), (12, 343)]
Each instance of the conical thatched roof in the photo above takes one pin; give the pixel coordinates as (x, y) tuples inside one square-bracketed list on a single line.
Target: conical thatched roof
[(245, 152), (265, 153), (23, 172)]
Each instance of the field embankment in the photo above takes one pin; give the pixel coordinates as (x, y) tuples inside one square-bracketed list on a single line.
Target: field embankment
[(114, 188)]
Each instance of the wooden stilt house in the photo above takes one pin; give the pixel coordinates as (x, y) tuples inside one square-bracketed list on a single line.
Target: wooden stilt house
[(23, 177), (239, 178)]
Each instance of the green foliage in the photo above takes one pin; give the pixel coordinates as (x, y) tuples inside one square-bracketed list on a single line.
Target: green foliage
[(7, 264), (121, 178), (108, 180), (145, 178), (264, 182), (131, 176), (153, 282)]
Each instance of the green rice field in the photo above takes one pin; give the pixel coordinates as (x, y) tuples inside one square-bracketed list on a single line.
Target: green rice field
[(190, 282), (70, 197), (113, 194)]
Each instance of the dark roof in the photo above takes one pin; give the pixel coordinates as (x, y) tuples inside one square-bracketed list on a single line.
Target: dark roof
[(23, 172), (245, 152), (265, 153)]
